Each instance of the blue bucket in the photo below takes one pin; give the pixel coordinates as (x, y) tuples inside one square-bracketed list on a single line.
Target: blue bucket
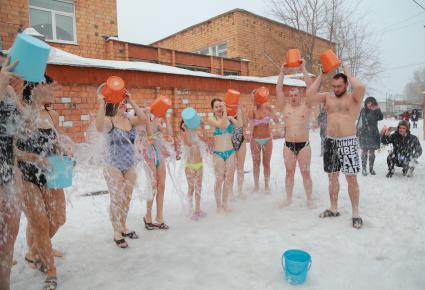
[(60, 171), (296, 264), (32, 55), (191, 118)]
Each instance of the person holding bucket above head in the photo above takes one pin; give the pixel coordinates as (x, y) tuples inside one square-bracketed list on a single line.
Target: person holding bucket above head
[(224, 154), (341, 143), (192, 152), (155, 151), (10, 180), (119, 172), (297, 112), (43, 206), (239, 140), (261, 141)]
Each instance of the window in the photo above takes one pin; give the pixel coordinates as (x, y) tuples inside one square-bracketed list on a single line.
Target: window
[(215, 50), (55, 19)]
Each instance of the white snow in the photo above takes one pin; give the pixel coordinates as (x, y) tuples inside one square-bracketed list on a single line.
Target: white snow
[(243, 250), (60, 57)]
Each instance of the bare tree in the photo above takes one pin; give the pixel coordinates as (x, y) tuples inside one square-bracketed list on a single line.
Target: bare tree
[(415, 89), (334, 20)]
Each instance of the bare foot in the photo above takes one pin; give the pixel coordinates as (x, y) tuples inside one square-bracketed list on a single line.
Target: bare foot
[(310, 204), (267, 190), (242, 196), (256, 189), (57, 253), (227, 209), (285, 203), (220, 210)]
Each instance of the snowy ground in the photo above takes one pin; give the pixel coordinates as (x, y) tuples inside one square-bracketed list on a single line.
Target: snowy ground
[(243, 250)]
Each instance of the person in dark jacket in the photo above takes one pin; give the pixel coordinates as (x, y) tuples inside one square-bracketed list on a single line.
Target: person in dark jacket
[(414, 117), (406, 148), (368, 133)]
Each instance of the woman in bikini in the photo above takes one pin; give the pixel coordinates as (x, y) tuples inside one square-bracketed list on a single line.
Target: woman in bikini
[(155, 150), (261, 142), (44, 207), (194, 167), (223, 154), (119, 172)]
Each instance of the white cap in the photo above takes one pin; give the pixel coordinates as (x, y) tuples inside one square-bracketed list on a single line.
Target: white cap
[(32, 32)]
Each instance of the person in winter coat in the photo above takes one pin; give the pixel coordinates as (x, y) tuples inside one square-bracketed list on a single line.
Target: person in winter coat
[(414, 117), (406, 148), (368, 133)]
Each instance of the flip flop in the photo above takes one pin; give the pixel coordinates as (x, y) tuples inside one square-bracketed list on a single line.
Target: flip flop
[(148, 226), (131, 235), (161, 226), (37, 264), (121, 243), (51, 283), (357, 222), (329, 213)]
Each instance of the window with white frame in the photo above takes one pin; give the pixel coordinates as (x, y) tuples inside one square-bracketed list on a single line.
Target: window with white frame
[(55, 19), (215, 50)]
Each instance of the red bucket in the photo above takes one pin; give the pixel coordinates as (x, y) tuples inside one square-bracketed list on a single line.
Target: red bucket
[(293, 58), (231, 99), (261, 95), (114, 90), (160, 106), (329, 61)]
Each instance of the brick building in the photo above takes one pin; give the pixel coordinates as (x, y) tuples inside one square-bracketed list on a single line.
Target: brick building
[(77, 26), (239, 34)]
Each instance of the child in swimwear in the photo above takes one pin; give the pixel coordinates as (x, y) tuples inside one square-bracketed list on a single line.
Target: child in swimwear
[(193, 169)]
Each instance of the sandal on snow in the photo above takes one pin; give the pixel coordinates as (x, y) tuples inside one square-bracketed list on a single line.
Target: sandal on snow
[(357, 222), (51, 283), (161, 226), (37, 264), (329, 213), (121, 243), (131, 235), (148, 226)]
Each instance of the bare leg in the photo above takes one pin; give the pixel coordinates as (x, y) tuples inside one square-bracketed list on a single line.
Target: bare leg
[(160, 177), (129, 180), (219, 168), (240, 155), (10, 214), (115, 181), (304, 160), (290, 164), (230, 166), (267, 155), (353, 192), (334, 190), (190, 186), (54, 199), (38, 222), (198, 189), (149, 203), (256, 160)]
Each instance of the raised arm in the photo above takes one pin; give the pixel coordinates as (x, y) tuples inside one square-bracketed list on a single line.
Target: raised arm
[(279, 86), (313, 94), (307, 78), (357, 86), (6, 77), (100, 122), (141, 117)]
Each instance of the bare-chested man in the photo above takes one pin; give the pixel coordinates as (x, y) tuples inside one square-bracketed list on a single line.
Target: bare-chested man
[(296, 112), (341, 144)]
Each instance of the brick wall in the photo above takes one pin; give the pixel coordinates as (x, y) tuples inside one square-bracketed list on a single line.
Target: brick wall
[(94, 20), (263, 42), (76, 101)]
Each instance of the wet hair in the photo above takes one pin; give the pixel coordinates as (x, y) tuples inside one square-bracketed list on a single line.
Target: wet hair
[(213, 101), (405, 124), (341, 76), (181, 126), (111, 109), (29, 86)]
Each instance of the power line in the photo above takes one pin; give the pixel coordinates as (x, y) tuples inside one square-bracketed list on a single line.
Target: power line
[(419, 4), (401, 21), (401, 27)]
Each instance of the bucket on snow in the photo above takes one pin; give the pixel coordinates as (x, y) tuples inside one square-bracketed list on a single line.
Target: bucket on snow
[(60, 171), (32, 55), (296, 264), (191, 118)]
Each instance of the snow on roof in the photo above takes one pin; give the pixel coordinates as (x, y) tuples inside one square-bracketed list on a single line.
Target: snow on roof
[(60, 57)]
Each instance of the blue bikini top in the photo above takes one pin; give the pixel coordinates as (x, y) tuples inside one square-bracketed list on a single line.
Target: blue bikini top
[(228, 130)]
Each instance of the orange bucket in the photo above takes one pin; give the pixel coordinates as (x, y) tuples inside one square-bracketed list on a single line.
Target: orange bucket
[(329, 60), (160, 106), (293, 58), (114, 90), (261, 95), (231, 99)]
